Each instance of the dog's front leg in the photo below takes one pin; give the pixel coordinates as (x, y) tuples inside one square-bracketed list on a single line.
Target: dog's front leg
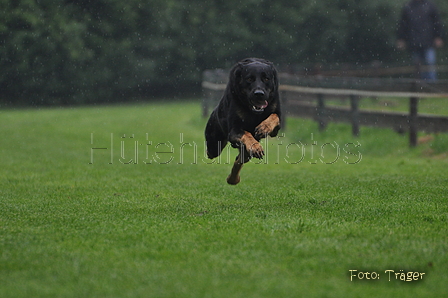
[(270, 126), (249, 143)]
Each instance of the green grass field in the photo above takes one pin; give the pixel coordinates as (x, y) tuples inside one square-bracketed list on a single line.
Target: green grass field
[(119, 201)]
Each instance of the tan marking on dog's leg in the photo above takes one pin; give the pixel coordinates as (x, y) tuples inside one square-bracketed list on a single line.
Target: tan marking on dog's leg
[(267, 126), (253, 147)]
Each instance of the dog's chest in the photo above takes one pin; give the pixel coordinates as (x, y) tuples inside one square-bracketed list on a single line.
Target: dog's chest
[(249, 122)]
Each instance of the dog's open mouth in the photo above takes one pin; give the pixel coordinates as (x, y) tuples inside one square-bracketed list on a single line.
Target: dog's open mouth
[(260, 108)]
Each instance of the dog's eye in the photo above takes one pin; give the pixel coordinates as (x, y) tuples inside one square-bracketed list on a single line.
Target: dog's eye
[(250, 79), (266, 79)]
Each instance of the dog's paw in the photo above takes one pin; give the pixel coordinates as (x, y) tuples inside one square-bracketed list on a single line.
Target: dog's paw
[(255, 150), (233, 180), (269, 127), (262, 130)]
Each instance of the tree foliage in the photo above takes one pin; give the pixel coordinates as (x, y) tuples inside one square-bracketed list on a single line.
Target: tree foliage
[(68, 51)]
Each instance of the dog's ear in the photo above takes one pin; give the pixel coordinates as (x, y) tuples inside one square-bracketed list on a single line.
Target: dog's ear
[(235, 77)]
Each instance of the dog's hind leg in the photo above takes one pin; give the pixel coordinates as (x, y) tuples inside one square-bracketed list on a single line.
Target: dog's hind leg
[(241, 159), (215, 138)]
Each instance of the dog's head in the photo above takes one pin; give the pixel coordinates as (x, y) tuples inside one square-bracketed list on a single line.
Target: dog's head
[(254, 82)]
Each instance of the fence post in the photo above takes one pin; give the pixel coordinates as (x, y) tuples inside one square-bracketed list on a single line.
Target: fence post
[(205, 96), (321, 112), (284, 106), (205, 103), (354, 103), (413, 117)]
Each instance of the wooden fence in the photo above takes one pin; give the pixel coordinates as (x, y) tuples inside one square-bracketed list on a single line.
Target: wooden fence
[(307, 96)]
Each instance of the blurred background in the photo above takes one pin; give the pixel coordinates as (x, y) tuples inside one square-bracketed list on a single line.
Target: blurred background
[(58, 52)]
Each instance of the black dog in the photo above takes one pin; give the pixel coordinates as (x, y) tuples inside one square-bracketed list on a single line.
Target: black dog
[(248, 111)]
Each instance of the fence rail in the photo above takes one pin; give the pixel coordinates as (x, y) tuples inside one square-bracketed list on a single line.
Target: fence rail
[(310, 101), (372, 70)]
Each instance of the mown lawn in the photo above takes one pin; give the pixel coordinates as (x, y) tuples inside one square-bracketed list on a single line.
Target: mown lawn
[(120, 201)]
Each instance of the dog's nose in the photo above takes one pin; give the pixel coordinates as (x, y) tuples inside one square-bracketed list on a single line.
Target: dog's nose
[(259, 93)]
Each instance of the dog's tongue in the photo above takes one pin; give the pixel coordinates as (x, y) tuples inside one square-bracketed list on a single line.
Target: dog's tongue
[(263, 106), (260, 108)]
